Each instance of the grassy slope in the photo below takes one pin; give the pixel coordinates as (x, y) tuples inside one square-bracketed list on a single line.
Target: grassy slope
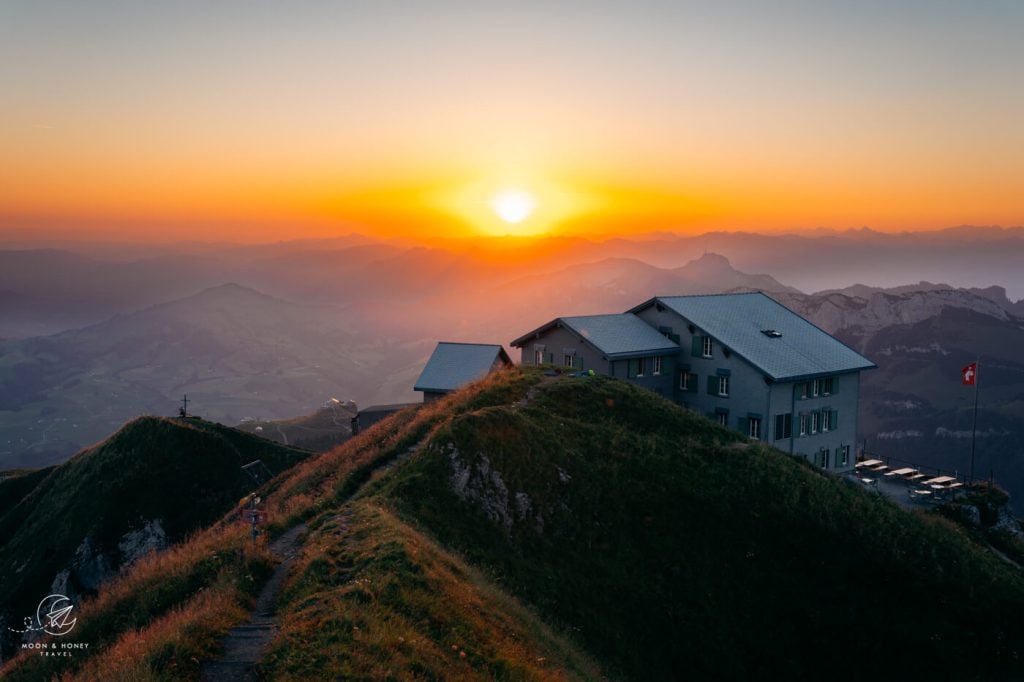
[(648, 534), (674, 551), (187, 474), (374, 599)]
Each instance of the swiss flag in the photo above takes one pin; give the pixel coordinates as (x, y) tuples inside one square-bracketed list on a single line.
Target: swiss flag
[(969, 374)]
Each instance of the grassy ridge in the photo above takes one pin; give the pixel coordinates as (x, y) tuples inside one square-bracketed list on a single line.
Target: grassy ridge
[(667, 547), (140, 611), (186, 474), (676, 550), (371, 598), (161, 619)]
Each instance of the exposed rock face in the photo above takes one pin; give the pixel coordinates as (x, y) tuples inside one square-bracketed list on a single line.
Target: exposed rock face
[(88, 569), (91, 566), (481, 484), (1007, 523), (138, 543), (872, 312)]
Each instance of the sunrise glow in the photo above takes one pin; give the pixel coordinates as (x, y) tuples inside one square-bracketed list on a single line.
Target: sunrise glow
[(423, 123), (513, 205)]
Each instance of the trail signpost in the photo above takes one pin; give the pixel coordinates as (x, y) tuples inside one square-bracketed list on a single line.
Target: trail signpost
[(253, 516)]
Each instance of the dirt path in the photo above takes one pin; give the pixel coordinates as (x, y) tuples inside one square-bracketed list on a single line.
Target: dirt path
[(244, 645)]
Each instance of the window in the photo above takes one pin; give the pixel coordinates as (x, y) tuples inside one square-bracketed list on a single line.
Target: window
[(843, 455), (567, 360), (827, 385), (815, 417), (754, 427), (706, 347), (803, 425), (685, 381), (823, 457), (641, 366), (826, 421), (723, 418), (538, 357), (783, 426), (723, 386), (656, 370), (815, 387)]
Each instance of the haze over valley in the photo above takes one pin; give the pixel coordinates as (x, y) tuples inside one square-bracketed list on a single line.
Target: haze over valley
[(272, 331)]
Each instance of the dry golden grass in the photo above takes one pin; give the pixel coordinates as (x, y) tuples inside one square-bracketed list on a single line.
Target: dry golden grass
[(372, 598), (174, 594), (172, 647)]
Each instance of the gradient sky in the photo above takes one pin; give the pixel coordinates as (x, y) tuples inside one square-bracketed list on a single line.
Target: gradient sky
[(260, 120)]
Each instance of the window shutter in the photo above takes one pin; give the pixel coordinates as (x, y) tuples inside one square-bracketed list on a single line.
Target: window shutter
[(712, 385), (835, 385), (551, 358), (744, 425), (835, 419), (631, 367), (697, 346), (577, 361), (694, 380)]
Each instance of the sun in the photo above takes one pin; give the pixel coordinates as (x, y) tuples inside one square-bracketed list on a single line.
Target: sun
[(513, 205)]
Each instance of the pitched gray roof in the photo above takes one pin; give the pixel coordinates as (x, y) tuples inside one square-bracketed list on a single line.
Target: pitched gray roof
[(453, 365), (739, 320), (614, 335)]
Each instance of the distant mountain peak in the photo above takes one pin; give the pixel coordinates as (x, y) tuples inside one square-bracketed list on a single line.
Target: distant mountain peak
[(711, 263)]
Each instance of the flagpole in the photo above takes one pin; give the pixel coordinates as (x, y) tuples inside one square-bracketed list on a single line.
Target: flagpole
[(974, 427)]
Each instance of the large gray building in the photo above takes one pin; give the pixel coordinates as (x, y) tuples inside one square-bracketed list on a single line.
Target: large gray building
[(744, 360)]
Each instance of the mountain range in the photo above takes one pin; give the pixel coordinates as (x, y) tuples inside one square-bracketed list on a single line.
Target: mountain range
[(356, 319)]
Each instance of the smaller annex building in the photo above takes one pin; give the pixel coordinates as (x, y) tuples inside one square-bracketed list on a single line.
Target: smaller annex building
[(744, 360), (452, 365)]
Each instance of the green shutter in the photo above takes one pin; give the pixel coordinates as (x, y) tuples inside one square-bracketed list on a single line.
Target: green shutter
[(744, 425), (712, 385), (577, 361), (835, 419), (697, 346), (835, 385), (674, 338), (551, 358), (694, 380), (631, 367)]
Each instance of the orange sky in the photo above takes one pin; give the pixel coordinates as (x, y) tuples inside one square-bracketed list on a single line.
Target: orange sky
[(265, 123)]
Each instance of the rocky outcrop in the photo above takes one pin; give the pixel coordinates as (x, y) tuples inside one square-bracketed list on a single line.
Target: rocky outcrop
[(138, 543), (92, 566), (480, 483), (869, 313)]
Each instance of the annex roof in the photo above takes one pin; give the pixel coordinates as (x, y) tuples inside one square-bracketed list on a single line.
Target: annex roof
[(453, 365), (766, 333), (616, 336)]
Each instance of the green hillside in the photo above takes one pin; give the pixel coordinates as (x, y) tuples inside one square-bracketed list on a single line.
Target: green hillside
[(182, 474), (575, 528), (676, 550)]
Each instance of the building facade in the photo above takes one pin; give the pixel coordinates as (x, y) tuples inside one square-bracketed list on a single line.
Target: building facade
[(743, 360)]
